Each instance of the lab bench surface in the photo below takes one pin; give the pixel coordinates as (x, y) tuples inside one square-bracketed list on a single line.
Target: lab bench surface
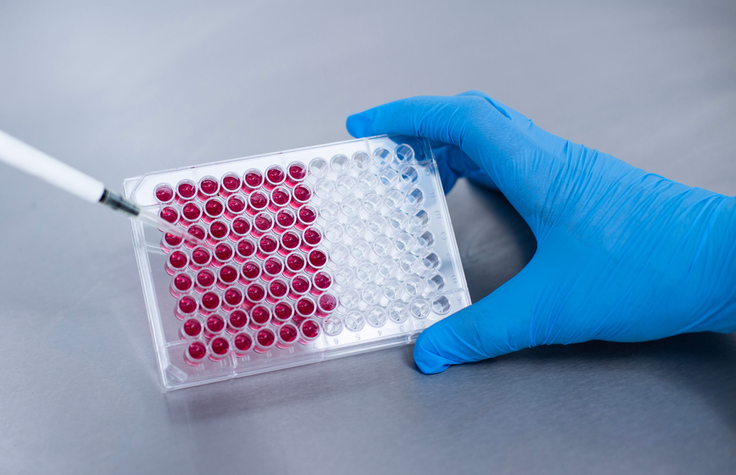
[(144, 86)]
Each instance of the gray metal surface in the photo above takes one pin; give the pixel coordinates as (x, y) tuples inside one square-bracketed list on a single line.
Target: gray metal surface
[(119, 91)]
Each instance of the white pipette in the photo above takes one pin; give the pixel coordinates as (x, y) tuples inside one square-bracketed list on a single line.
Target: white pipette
[(34, 162)]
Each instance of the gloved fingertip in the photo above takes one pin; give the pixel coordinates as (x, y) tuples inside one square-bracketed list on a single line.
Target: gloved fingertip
[(427, 359), (359, 125)]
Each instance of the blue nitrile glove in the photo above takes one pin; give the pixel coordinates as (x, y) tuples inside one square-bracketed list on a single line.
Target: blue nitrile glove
[(622, 254)]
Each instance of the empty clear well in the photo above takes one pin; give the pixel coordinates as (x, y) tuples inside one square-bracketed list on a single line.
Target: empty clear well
[(319, 253)]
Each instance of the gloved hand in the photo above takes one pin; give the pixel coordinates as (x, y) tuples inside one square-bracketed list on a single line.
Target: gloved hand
[(622, 254)]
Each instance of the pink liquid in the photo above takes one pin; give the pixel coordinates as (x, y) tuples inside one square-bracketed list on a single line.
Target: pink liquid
[(277, 288), (182, 282), (205, 278), (297, 171), (258, 200), (187, 305), (191, 212), (242, 342), (233, 297), (231, 183), (201, 256), (275, 175), (327, 302), (263, 222), (241, 226), (300, 285), (197, 350), (228, 274), (310, 329), (322, 280), (238, 319), (218, 230), (305, 307), (285, 218), (307, 215), (260, 315), (169, 214), (164, 193), (220, 346), (302, 193), (268, 244), (283, 311), (256, 292), (265, 337), (246, 248), (295, 262), (224, 252), (197, 231), (280, 197), (236, 204), (208, 186), (317, 258), (186, 190), (253, 178), (214, 208), (172, 240), (290, 240), (251, 270), (210, 301), (312, 236), (215, 324), (178, 260), (192, 327), (288, 333), (273, 266)]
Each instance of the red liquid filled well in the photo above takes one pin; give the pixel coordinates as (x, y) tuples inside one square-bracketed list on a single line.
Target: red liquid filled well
[(242, 342), (295, 262), (172, 240), (215, 324), (327, 303), (236, 204), (302, 193), (233, 297), (186, 189), (240, 226), (218, 230), (197, 231), (275, 175), (210, 301), (220, 346), (214, 208), (228, 274), (290, 240), (231, 182), (307, 214), (205, 278), (268, 244), (258, 201), (178, 260), (263, 222), (251, 270), (310, 329), (201, 256), (280, 197), (197, 350), (256, 293), (278, 288), (238, 319), (266, 337), (283, 311), (192, 327), (169, 214), (224, 252), (300, 284), (273, 266), (288, 333), (191, 212), (164, 193), (187, 305), (183, 282), (297, 171), (286, 218), (253, 178), (317, 258), (312, 236), (305, 307), (246, 248), (260, 315), (322, 280), (209, 186)]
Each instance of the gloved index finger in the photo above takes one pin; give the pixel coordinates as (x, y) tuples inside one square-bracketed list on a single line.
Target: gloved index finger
[(489, 138)]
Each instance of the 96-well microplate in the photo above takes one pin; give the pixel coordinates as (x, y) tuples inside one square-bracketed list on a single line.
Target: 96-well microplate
[(318, 253)]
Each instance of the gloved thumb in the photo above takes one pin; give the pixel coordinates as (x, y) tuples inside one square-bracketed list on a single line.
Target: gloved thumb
[(496, 325)]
